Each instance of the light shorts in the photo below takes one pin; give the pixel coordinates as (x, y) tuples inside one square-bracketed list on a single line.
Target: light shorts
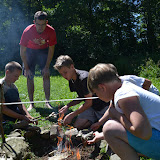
[(92, 115), (36, 57), (150, 148)]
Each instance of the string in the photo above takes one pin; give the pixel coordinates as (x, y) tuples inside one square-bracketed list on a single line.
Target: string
[(76, 99)]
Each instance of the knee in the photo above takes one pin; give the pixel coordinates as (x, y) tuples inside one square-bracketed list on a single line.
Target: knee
[(80, 126), (109, 129)]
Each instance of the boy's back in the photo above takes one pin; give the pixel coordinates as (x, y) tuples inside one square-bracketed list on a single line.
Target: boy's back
[(139, 81)]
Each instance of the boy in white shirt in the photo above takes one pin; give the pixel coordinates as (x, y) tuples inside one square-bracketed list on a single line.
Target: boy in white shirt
[(138, 81), (134, 126)]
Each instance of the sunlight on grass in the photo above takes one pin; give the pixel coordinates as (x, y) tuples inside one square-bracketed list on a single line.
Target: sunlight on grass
[(59, 91)]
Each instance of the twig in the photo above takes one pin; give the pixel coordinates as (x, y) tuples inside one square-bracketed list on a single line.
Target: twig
[(1, 125)]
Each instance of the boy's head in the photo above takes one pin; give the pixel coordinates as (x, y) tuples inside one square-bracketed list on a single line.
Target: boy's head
[(113, 67), (101, 74), (12, 71), (40, 15), (65, 66), (40, 20)]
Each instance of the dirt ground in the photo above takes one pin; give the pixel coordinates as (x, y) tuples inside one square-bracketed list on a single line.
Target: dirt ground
[(40, 149)]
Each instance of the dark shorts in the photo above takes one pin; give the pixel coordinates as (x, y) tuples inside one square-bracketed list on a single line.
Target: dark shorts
[(36, 57)]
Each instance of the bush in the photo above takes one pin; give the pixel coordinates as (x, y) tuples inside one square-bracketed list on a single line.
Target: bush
[(150, 70)]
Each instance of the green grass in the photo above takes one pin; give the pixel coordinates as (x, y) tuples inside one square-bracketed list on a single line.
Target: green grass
[(59, 91), (151, 70)]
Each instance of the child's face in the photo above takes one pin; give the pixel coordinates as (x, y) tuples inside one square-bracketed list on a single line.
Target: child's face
[(103, 92), (67, 72), (13, 76)]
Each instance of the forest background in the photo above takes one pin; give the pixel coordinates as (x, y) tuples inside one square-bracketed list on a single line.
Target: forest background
[(123, 32)]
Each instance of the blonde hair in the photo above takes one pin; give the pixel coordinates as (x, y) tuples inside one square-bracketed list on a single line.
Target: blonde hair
[(113, 67), (101, 73), (63, 61)]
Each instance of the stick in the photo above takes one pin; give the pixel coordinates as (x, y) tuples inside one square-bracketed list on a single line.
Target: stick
[(1, 125)]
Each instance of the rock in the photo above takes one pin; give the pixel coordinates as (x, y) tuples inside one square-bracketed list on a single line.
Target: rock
[(54, 131), (21, 124), (103, 144), (33, 128), (85, 134), (29, 134), (114, 157), (45, 134), (15, 147), (15, 133), (59, 156), (72, 132)]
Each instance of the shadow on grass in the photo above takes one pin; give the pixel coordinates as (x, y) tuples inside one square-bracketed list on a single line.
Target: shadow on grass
[(45, 112)]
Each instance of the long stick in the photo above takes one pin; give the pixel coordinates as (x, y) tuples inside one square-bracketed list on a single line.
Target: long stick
[(1, 125)]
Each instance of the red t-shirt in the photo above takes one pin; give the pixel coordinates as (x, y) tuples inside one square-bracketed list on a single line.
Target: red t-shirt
[(32, 39)]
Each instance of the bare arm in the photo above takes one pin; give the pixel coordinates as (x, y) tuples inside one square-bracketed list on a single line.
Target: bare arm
[(23, 56), (105, 117), (66, 107), (98, 137), (102, 120), (24, 111), (88, 103), (45, 70), (134, 119), (50, 55), (73, 103), (24, 59), (10, 113)]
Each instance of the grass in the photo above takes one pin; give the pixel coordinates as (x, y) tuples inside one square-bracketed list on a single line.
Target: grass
[(59, 91), (151, 70)]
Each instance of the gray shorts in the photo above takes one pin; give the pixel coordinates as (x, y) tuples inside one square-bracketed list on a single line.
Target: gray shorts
[(92, 115), (36, 57)]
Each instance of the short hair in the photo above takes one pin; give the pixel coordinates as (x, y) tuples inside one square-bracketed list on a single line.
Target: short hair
[(41, 15), (101, 73), (63, 61), (113, 67), (12, 66)]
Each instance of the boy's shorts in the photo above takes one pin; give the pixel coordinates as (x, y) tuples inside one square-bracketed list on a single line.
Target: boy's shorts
[(36, 57), (92, 115), (150, 148)]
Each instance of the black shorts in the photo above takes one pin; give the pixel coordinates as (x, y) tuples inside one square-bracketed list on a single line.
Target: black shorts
[(36, 57)]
